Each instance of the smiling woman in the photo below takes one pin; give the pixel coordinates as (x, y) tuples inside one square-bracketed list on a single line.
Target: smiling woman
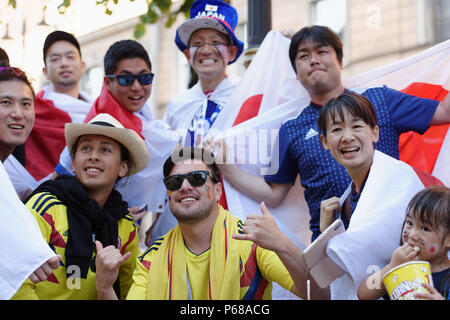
[(16, 110), (349, 129)]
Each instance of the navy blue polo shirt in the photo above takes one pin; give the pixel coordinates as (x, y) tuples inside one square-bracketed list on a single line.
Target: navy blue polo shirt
[(301, 151)]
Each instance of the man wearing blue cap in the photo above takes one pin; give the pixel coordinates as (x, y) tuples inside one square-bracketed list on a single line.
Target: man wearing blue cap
[(208, 41)]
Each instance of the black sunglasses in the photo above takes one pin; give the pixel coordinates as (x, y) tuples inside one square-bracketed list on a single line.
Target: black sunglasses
[(195, 178), (127, 80)]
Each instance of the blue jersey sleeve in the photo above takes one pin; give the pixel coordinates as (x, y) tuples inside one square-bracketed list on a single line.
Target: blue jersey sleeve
[(287, 165), (409, 113)]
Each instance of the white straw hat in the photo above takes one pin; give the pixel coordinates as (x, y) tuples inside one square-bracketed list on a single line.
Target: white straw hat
[(106, 125)]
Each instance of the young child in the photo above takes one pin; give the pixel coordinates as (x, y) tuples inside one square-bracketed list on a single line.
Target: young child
[(425, 237)]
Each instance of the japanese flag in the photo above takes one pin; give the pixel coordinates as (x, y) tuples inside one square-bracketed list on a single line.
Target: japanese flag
[(211, 8), (270, 94)]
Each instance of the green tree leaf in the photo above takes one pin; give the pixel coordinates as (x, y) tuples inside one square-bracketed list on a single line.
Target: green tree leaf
[(163, 5), (13, 3), (139, 30)]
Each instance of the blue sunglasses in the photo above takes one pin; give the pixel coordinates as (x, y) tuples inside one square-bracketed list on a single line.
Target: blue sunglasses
[(127, 80)]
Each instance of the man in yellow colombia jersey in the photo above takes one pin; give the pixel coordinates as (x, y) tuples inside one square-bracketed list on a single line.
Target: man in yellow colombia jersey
[(74, 211), (201, 257)]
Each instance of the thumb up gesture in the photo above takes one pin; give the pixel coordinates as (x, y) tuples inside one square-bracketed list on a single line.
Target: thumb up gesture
[(261, 229)]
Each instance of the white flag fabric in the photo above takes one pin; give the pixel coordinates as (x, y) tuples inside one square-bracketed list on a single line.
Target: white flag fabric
[(22, 247), (426, 74), (21, 179), (268, 81), (182, 108)]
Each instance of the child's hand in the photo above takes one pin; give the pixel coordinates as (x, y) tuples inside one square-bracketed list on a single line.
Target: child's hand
[(432, 295), (403, 254)]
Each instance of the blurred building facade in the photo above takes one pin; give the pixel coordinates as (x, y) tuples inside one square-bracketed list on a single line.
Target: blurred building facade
[(374, 33)]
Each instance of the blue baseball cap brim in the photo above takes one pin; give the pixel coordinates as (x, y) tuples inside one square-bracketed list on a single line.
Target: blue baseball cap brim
[(185, 31)]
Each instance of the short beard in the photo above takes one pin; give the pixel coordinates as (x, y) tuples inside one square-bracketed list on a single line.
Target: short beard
[(67, 82), (200, 215)]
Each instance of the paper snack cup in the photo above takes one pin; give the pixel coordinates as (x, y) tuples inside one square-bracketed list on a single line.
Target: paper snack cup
[(404, 280)]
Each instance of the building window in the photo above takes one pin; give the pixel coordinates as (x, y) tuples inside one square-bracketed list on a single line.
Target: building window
[(442, 20), (330, 13), (92, 82)]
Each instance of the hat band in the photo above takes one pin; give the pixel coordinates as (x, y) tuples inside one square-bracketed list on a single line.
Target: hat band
[(101, 123)]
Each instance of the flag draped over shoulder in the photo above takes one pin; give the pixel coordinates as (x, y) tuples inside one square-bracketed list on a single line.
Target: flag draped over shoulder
[(22, 247), (270, 79), (46, 141), (374, 231), (425, 75)]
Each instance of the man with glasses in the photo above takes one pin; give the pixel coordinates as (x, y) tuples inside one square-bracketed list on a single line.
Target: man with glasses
[(209, 43), (203, 257), (126, 89)]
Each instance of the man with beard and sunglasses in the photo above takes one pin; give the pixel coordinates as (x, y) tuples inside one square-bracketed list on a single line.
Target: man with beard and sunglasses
[(209, 44), (206, 256)]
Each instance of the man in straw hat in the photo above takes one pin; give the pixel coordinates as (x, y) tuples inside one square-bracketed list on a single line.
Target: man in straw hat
[(209, 43), (75, 211)]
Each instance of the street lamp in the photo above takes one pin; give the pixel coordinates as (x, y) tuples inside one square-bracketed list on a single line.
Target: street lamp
[(6, 36)]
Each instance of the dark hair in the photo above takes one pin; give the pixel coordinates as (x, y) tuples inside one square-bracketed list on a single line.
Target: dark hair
[(432, 207), (59, 36), (356, 104), (124, 49), (15, 74), (189, 153), (4, 59), (320, 35)]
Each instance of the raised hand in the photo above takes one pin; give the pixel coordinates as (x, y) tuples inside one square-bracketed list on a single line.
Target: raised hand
[(261, 229), (328, 208), (107, 264), (403, 254)]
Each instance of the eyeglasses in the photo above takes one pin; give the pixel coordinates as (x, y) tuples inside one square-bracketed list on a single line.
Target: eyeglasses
[(127, 80), (200, 44), (195, 178)]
